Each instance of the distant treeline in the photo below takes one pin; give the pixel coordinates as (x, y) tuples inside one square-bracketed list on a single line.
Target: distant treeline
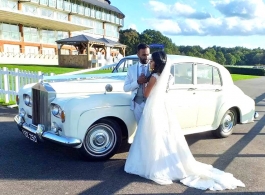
[(222, 55)]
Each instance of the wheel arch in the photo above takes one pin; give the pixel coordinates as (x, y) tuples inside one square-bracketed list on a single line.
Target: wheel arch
[(120, 122), (222, 111)]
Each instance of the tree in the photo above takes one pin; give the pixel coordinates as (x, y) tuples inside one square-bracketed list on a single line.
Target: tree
[(220, 58), (230, 59), (130, 38)]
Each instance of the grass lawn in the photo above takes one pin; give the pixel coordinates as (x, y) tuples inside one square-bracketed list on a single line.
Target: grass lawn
[(98, 72), (45, 69), (237, 77)]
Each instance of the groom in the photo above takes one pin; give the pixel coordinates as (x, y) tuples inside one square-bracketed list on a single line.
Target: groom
[(136, 77)]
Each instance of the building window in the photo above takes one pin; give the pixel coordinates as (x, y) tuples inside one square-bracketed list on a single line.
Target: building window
[(48, 36), (108, 17), (81, 9), (88, 23), (111, 30), (59, 4), (87, 11), (62, 16), (29, 9), (35, 1), (112, 18), (47, 13), (99, 14), (62, 35), (104, 16), (52, 3), (92, 12), (67, 6), (44, 2), (98, 28), (9, 32), (31, 34), (74, 8), (11, 5)]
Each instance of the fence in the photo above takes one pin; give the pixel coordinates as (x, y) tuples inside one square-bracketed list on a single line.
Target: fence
[(12, 80)]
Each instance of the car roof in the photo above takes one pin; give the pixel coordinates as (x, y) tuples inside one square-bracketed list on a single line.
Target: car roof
[(227, 79), (181, 58)]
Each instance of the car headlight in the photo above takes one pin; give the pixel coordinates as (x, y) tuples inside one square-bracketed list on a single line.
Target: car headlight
[(27, 100), (56, 110)]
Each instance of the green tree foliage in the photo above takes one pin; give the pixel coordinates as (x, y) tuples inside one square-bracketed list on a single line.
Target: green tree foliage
[(230, 59), (220, 58), (221, 55), (130, 38)]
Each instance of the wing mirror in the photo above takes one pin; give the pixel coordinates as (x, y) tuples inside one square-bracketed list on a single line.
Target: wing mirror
[(108, 88)]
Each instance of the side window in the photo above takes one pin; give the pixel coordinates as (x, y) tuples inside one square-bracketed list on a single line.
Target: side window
[(208, 75), (124, 64), (216, 77), (183, 73)]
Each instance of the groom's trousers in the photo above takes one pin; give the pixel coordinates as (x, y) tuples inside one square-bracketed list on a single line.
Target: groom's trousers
[(138, 110)]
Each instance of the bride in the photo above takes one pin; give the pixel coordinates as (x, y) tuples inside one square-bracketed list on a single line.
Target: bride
[(159, 151)]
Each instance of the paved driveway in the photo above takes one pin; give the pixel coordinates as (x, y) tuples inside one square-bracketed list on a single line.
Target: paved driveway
[(29, 168)]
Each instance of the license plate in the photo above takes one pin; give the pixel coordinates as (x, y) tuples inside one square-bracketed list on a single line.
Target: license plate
[(30, 136)]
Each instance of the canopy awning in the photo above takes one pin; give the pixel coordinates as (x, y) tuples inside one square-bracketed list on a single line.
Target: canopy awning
[(111, 43), (80, 39), (18, 17)]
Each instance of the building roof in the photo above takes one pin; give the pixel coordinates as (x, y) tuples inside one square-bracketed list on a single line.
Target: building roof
[(105, 6), (79, 39), (87, 39)]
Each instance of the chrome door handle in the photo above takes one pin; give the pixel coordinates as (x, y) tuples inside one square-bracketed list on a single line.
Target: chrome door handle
[(217, 90), (192, 89)]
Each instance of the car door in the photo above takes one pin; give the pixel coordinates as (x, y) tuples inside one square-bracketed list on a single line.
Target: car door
[(208, 91), (181, 95)]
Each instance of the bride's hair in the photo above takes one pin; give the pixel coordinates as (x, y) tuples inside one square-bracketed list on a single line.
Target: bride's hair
[(160, 59)]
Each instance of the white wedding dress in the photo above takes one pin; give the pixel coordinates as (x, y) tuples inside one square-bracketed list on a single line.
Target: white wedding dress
[(160, 152)]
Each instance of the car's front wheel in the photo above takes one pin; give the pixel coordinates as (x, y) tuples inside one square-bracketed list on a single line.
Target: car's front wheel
[(102, 140), (227, 124)]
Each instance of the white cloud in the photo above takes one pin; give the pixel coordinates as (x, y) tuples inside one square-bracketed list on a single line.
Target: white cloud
[(241, 8), (239, 18), (133, 26), (166, 11)]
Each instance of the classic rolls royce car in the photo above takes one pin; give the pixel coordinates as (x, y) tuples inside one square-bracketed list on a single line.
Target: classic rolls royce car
[(92, 112)]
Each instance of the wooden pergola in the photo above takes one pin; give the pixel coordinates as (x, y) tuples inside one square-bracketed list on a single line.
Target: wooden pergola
[(83, 45)]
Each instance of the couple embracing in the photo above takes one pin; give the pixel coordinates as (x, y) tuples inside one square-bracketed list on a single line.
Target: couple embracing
[(159, 151)]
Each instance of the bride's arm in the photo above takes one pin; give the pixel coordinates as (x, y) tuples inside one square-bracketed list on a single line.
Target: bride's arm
[(149, 86)]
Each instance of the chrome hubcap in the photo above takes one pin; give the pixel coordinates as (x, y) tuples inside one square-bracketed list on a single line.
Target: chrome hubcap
[(100, 139), (228, 122)]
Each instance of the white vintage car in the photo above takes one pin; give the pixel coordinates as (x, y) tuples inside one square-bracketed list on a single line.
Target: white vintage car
[(92, 112)]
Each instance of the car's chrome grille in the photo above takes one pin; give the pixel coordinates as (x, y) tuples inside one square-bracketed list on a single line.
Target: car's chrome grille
[(41, 100)]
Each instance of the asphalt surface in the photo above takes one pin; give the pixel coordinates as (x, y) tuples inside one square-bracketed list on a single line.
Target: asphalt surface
[(48, 169)]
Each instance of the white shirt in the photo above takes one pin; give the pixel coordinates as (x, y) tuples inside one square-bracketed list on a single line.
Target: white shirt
[(140, 67)]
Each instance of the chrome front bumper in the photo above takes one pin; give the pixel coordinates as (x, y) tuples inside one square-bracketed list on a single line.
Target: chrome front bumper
[(42, 135), (256, 115)]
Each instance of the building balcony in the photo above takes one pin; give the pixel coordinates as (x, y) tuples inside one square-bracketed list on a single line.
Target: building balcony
[(18, 17)]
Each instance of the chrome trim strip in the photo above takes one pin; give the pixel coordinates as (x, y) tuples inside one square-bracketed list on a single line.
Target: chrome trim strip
[(50, 136)]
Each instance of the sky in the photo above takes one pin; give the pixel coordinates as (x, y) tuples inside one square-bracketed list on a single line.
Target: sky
[(225, 23)]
